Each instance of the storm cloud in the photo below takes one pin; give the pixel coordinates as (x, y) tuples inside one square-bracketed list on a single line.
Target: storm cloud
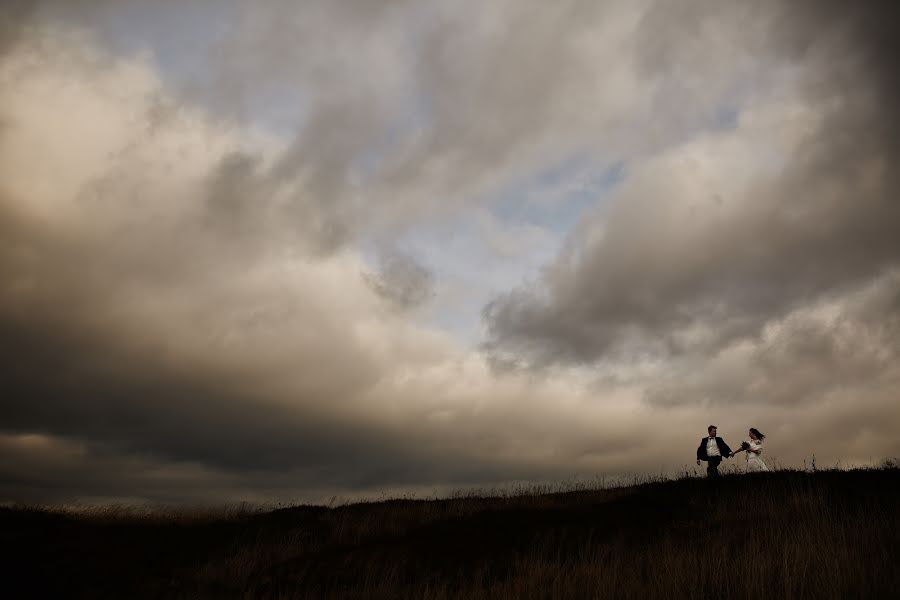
[(207, 296), (708, 241)]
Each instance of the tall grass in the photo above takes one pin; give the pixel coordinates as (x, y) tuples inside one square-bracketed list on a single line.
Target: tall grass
[(787, 534)]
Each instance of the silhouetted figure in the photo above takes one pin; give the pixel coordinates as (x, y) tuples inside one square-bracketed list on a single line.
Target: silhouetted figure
[(712, 449), (753, 448)]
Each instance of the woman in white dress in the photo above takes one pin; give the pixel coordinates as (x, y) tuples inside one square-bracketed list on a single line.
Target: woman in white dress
[(753, 448)]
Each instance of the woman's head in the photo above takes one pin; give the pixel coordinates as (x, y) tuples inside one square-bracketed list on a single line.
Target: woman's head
[(756, 435)]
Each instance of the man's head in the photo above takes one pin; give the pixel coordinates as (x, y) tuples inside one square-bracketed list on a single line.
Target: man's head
[(712, 430)]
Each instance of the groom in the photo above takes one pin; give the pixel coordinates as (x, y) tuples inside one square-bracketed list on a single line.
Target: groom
[(712, 449)]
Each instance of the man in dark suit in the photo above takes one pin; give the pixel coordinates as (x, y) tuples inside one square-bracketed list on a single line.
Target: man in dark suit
[(712, 449)]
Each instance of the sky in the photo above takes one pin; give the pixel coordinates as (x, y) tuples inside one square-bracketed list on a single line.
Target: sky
[(289, 251)]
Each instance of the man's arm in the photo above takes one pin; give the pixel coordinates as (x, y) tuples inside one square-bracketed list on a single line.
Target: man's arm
[(700, 451), (727, 450)]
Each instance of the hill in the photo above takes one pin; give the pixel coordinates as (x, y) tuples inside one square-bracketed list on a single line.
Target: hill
[(788, 534)]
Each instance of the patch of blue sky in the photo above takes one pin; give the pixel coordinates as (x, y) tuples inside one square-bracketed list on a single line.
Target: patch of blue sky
[(496, 246), (178, 40), (467, 273), (183, 45), (411, 116), (556, 197), (726, 117)]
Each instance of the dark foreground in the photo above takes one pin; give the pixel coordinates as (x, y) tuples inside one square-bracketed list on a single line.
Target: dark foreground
[(831, 534)]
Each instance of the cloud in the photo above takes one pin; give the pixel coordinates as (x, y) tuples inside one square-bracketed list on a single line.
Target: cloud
[(711, 239), (400, 279), (839, 352), (158, 315), (188, 313)]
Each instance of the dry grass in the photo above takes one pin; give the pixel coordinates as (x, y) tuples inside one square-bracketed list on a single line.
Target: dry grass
[(788, 534)]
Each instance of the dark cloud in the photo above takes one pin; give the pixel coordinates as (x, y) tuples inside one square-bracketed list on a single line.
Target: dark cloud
[(132, 403), (401, 280), (665, 259), (843, 347)]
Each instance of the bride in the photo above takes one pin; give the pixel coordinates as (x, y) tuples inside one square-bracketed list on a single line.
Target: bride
[(753, 448)]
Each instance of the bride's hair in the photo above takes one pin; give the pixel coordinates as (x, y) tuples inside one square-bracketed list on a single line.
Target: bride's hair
[(758, 435)]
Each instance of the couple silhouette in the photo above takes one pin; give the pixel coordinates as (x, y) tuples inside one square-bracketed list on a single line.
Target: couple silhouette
[(713, 449)]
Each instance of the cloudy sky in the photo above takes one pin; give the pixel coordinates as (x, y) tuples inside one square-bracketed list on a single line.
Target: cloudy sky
[(280, 251)]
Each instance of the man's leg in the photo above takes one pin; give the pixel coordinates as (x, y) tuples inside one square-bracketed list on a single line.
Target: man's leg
[(712, 466)]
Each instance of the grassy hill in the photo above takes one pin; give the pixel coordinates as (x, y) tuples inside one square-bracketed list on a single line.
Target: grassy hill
[(788, 534)]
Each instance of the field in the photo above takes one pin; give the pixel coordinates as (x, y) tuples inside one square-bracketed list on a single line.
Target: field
[(787, 534)]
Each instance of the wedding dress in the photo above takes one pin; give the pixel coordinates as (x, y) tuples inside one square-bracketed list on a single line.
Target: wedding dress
[(755, 464)]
